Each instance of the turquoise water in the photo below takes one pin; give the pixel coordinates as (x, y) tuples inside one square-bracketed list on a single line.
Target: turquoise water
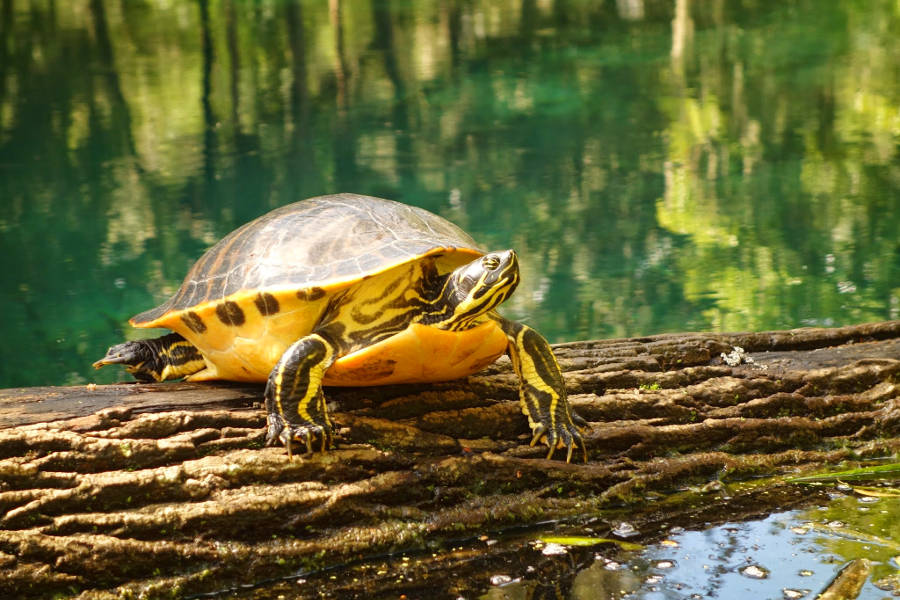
[(659, 166)]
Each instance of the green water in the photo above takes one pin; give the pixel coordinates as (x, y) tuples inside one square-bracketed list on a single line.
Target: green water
[(660, 166)]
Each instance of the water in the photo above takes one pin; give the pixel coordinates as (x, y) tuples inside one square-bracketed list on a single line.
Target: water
[(791, 555), (659, 166), (787, 555)]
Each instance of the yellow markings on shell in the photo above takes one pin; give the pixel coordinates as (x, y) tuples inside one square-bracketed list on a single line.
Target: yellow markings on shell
[(376, 309), (249, 351), (446, 258)]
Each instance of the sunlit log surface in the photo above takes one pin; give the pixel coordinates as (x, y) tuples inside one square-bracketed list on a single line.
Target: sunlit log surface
[(154, 490)]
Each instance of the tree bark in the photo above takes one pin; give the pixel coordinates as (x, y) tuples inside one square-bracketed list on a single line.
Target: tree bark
[(163, 490)]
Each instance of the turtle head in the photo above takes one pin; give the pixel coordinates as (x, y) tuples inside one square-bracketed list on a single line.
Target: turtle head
[(166, 357), (477, 288)]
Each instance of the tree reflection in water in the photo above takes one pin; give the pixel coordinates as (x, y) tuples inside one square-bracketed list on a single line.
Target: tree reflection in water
[(659, 167)]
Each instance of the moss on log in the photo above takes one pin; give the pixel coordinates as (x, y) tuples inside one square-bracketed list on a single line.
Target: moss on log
[(165, 490)]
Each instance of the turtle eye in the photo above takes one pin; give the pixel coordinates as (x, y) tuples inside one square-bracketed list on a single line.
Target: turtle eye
[(490, 262)]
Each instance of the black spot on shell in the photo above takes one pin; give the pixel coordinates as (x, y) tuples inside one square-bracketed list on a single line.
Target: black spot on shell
[(311, 294), (194, 322), (230, 313), (267, 304)]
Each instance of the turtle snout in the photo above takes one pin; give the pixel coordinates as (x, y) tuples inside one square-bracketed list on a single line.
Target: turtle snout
[(133, 354)]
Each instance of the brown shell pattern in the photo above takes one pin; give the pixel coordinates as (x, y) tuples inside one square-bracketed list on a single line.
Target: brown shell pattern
[(313, 243)]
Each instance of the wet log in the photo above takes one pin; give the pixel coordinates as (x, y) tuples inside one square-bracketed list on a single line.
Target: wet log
[(137, 490)]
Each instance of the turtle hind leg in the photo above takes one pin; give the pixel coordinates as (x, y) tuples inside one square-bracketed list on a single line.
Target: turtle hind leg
[(542, 391), (294, 400), (167, 357)]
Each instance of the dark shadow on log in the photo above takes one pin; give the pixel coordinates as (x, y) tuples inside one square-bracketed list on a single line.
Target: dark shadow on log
[(175, 476)]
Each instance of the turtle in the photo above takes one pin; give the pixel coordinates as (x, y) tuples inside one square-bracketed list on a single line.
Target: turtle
[(348, 290)]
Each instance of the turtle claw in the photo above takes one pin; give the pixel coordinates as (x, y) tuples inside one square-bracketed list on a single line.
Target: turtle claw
[(286, 433), (564, 436), (288, 443), (537, 434)]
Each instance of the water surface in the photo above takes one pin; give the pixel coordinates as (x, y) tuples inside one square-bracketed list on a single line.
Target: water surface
[(659, 166)]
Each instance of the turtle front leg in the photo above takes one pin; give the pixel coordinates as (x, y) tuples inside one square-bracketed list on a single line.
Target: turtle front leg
[(294, 399), (542, 391), (167, 357)]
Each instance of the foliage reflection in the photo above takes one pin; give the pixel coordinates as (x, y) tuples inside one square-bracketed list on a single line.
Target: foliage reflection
[(659, 167)]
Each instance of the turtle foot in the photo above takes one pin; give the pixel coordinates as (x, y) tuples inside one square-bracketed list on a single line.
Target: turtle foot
[(279, 430), (565, 435)]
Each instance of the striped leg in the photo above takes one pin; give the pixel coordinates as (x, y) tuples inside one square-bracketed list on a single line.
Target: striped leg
[(294, 399), (167, 357), (542, 391)]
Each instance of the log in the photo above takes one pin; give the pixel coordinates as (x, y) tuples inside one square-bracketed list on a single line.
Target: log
[(166, 490)]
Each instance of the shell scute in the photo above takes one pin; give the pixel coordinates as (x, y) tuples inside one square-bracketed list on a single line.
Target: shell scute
[(323, 243)]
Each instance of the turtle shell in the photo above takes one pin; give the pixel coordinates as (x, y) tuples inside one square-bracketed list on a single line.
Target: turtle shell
[(313, 246)]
